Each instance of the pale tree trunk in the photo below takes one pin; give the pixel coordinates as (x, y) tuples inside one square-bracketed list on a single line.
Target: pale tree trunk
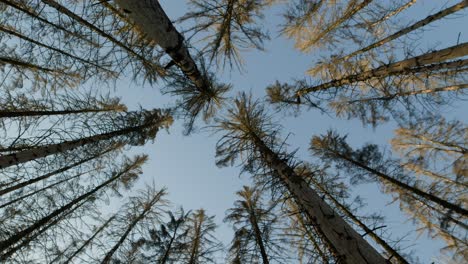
[(350, 246), (156, 198), (89, 240), (392, 252), (404, 31), (152, 21), (27, 232), (62, 9), (44, 151), (406, 187), (420, 63)]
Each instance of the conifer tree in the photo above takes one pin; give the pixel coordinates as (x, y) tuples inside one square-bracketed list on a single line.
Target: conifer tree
[(250, 134), (255, 226)]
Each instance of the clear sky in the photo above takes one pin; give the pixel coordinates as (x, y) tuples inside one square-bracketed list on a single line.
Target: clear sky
[(186, 165)]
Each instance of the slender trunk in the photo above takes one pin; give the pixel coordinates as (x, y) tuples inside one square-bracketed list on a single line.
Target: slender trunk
[(17, 34), (33, 14), (42, 189), (429, 61), (196, 243), (258, 234), (418, 169), (30, 238), (18, 236), (406, 187), (48, 175), (351, 247), (393, 13), (62, 9), (393, 253), (332, 26), (89, 240), (150, 19), (307, 231), (108, 257), (21, 113), (44, 151), (167, 252), (451, 88), (421, 23), (30, 66)]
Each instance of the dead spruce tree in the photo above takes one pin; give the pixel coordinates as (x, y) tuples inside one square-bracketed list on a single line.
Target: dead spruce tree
[(249, 134), (118, 177), (430, 204), (132, 128), (256, 238)]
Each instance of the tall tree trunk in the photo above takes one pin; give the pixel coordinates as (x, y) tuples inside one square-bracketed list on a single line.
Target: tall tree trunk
[(26, 65), (392, 252), (44, 151), (17, 237), (62, 9), (35, 15), (156, 198), (351, 247), (62, 52), (429, 61), (404, 186), (451, 88), (421, 23), (258, 234), (89, 240), (50, 174), (150, 19), (21, 113)]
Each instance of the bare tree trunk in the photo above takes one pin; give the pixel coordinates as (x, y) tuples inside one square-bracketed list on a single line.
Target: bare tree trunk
[(89, 240), (19, 35), (451, 88), (44, 151), (416, 64), (419, 24), (33, 14), (351, 247), (406, 187), (62, 9), (30, 66), (258, 234), (20, 113), (156, 198), (151, 20), (393, 253), (27, 232)]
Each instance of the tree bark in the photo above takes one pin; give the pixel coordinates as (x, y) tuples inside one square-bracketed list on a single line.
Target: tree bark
[(258, 234), (351, 247), (393, 253), (151, 20), (44, 151), (429, 61)]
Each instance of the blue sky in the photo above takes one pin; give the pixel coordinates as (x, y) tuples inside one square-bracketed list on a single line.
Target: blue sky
[(186, 165)]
